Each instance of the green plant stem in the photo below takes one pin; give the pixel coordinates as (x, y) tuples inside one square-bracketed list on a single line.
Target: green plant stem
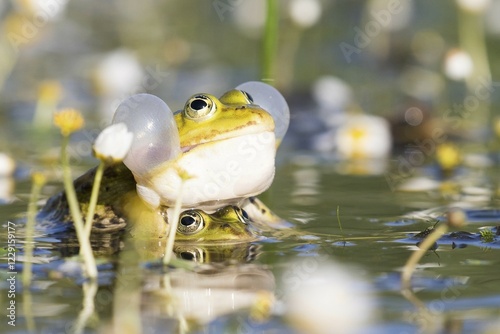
[(28, 311), (473, 41), (93, 200), (10, 57), (30, 230), (269, 42), (172, 311), (128, 290), (169, 247), (340, 225), (89, 292), (74, 207), (415, 257)]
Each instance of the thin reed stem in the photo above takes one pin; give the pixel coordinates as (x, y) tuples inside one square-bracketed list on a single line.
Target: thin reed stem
[(89, 292), (415, 257), (172, 230), (340, 225), (38, 182), (269, 42), (93, 200), (127, 290), (473, 41), (74, 207)]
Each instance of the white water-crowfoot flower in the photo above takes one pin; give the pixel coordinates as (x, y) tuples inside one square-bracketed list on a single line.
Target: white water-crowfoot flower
[(7, 165), (305, 13), (324, 297), (113, 143), (474, 6), (458, 65)]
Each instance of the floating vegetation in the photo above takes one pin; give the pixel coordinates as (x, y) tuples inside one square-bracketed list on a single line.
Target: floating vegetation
[(487, 235)]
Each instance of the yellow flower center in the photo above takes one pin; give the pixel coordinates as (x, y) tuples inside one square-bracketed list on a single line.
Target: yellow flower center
[(358, 134)]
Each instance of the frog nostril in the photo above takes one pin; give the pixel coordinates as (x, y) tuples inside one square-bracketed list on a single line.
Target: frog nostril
[(248, 96)]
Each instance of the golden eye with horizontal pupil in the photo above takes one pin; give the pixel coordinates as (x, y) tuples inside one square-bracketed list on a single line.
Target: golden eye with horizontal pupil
[(190, 222), (199, 107)]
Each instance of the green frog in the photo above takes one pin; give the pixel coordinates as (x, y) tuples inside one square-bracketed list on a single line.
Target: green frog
[(225, 146)]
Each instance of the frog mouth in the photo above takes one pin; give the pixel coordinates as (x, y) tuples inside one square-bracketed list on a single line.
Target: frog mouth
[(260, 123), (260, 136)]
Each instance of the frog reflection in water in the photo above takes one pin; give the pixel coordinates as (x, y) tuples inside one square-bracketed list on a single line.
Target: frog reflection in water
[(226, 146)]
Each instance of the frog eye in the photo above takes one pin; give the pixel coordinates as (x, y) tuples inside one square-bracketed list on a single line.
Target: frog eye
[(192, 254), (271, 100), (199, 107), (190, 222)]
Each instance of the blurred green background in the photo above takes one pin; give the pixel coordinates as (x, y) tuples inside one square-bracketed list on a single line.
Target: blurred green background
[(176, 48)]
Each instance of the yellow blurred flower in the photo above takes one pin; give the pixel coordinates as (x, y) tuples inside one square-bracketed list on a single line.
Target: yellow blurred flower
[(49, 91), (448, 156), (68, 120), (262, 307), (13, 24), (39, 178)]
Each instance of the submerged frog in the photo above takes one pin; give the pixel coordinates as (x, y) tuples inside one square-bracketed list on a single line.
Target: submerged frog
[(229, 224), (227, 147), (226, 224)]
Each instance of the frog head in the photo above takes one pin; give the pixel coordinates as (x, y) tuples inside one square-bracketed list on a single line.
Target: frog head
[(220, 150), (229, 224)]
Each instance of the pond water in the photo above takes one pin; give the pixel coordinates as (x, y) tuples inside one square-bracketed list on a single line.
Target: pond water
[(455, 286), (336, 265)]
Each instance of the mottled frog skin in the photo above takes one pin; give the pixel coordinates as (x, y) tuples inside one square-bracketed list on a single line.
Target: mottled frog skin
[(119, 206), (225, 148), (117, 182)]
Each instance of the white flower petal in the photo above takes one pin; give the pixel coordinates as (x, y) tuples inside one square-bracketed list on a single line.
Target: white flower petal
[(474, 6), (458, 64), (7, 165), (113, 143), (326, 297), (305, 13)]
